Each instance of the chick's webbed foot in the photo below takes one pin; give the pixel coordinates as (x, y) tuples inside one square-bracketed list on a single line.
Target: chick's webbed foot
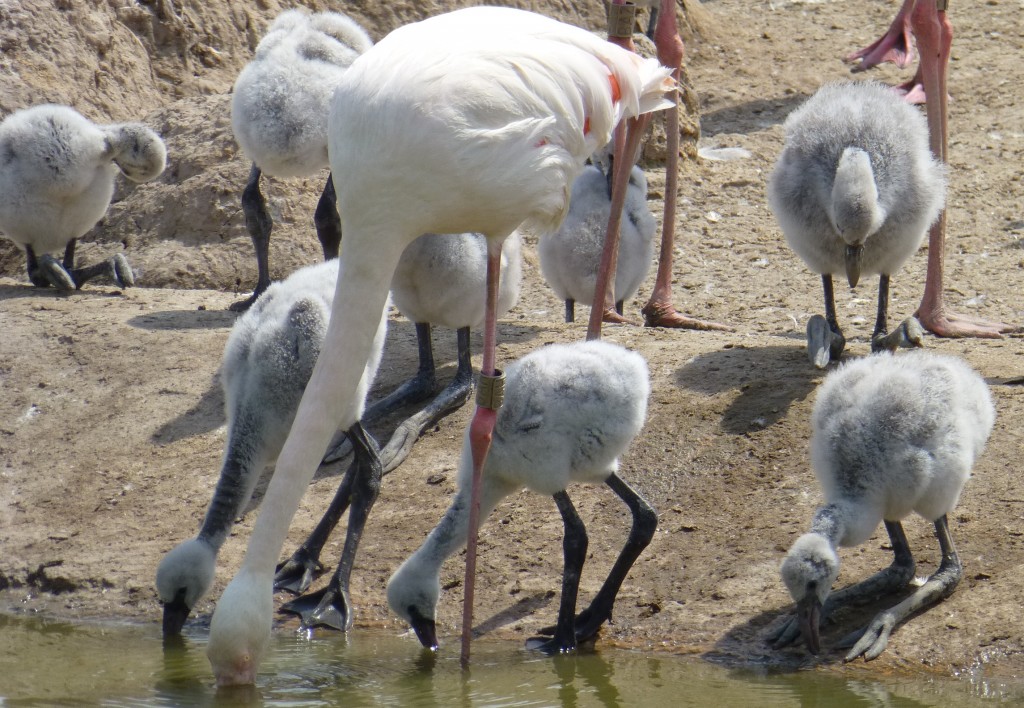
[(329, 607)]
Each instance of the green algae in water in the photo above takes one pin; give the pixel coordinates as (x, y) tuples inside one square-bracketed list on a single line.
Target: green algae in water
[(47, 663)]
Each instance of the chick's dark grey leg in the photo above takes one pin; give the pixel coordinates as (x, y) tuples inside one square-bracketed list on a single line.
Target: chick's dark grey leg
[(908, 334), (296, 573), (645, 523), (453, 397), (574, 550), (331, 607), (872, 640), (116, 268), (259, 224), (825, 340), (418, 388)]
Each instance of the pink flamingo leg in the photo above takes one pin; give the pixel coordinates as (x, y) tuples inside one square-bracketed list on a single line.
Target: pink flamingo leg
[(480, 434), (934, 35), (659, 311), (623, 163), (894, 46)]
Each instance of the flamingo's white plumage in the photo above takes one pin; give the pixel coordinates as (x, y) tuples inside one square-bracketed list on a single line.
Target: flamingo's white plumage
[(475, 120)]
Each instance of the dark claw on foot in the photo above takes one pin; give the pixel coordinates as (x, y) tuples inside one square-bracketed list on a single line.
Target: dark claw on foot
[(55, 274), (296, 573), (122, 271), (908, 335), (325, 608)]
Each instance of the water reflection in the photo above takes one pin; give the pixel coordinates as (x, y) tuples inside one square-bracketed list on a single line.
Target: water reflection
[(57, 663)]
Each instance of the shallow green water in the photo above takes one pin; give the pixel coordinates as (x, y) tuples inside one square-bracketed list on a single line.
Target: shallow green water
[(46, 663)]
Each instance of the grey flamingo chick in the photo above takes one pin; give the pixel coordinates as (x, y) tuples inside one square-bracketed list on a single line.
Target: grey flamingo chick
[(57, 171), (279, 112), (570, 256), (570, 411), (268, 360), (891, 435), (441, 279), (855, 190)]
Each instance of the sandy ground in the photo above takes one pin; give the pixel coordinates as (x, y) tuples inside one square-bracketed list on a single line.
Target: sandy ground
[(112, 424)]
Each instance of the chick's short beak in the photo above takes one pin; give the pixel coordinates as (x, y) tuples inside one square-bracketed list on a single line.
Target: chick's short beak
[(853, 256), (808, 612)]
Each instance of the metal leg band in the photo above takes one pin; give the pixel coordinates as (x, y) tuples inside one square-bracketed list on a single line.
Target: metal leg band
[(621, 20), (490, 390)]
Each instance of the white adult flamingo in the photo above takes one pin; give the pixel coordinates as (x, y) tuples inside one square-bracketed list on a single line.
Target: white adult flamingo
[(480, 119), (928, 21)]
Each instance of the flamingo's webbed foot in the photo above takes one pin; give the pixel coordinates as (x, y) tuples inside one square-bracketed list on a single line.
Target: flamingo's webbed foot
[(824, 344), (296, 573), (243, 305), (329, 607), (123, 274), (871, 640), (896, 46), (51, 272), (657, 314), (551, 645), (613, 316), (587, 626), (786, 635), (908, 335), (947, 324)]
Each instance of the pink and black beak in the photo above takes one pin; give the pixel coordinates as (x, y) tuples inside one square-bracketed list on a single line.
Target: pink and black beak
[(426, 630), (808, 613)]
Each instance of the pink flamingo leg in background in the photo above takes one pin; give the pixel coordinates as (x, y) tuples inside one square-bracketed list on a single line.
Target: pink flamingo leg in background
[(934, 37), (659, 311)]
